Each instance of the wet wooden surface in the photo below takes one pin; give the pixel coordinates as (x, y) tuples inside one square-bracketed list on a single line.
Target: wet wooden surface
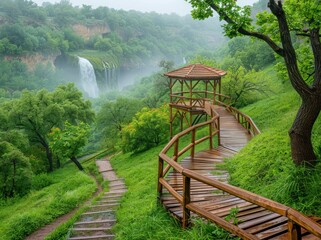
[(255, 220)]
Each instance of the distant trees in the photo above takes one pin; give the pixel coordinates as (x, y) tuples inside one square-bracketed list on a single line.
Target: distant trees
[(113, 116)]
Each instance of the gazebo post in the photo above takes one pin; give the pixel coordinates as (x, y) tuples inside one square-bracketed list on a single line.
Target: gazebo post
[(171, 107), (219, 89)]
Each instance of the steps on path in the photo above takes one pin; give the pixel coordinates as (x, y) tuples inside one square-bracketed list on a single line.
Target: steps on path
[(97, 222)]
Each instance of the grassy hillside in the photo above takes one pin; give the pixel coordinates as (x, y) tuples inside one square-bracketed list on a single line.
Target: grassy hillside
[(264, 166), (54, 194)]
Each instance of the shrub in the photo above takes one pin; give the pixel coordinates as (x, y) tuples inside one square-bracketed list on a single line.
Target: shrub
[(24, 224), (148, 128), (40, 181)]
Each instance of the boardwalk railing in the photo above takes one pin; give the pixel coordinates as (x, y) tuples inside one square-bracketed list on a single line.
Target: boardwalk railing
[(242, 118), (296, 220)]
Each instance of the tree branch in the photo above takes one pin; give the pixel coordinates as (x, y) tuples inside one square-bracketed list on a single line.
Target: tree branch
[(243, 31), (290, 58), (316, 48)]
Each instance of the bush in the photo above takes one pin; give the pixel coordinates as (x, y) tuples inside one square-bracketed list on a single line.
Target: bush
[(25, 224), (42, 180), (148, 128)]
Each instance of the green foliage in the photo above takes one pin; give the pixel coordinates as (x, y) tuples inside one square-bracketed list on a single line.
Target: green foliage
[(67, 143), (67, 188), (301, 189), (15, 171), (243, 87), (61, 231), (41, 181), (148, 128), (241, 16), (37, 113), (232, 216), (113, 116)]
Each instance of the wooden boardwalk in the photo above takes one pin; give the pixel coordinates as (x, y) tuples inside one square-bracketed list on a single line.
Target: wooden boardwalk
[(251, 219)]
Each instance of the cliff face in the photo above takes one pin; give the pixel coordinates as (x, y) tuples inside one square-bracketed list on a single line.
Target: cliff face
[(89, 31), (31, 60)]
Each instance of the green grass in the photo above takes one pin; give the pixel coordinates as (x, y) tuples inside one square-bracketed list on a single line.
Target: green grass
[(265, 166), (66, 189), (97, 57), (63, 229)]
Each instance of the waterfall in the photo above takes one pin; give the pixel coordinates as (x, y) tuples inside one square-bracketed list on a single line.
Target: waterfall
[(88, 78), (111, 76)]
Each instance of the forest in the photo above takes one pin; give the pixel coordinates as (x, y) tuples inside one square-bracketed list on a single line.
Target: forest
[(52, 128)]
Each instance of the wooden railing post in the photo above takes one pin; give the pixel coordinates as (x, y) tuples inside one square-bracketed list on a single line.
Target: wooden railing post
[(175, 158), (160, 175), (193, 143), (219, 131), (186, 200), (211, 134), (294, 230)]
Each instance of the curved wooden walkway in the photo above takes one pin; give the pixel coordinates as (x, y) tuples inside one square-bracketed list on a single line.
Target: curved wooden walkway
[(251, 221)]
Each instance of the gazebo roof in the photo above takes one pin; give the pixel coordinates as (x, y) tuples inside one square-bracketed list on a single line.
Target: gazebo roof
[(196, 72)]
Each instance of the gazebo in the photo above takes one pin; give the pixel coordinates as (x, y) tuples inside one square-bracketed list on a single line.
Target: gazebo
[(190, 88)]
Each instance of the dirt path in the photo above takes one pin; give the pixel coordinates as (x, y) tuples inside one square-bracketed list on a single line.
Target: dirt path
[(105, 169)]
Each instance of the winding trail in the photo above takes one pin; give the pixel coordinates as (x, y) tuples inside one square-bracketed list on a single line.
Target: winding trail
[(109, 201), (97, 222)]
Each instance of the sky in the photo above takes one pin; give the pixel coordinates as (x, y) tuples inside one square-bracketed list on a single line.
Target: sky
[(180, 7)]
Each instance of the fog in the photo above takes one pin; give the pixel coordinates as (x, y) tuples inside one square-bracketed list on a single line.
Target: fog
[(180, 7)]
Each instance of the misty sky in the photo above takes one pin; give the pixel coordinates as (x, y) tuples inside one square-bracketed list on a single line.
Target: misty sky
[(180, 7)]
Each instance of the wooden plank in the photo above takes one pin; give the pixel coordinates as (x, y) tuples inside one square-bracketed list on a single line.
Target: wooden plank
[(222, 223), (273, 232), (257, 221), (243, 210)]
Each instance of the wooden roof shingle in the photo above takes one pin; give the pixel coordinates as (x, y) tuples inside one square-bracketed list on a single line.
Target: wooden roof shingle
[(196, 72)]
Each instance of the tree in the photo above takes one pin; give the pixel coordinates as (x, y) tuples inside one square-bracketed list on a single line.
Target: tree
[(38, 112), (114, 115), (240, 86), (292, 16), (148, 128), (15, 171), (67, 143)]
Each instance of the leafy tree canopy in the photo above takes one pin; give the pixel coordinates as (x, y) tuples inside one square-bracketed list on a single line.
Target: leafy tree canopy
[(38, 112), (67, 143)]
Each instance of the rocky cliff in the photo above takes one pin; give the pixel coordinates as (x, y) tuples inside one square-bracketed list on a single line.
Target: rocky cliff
[(89, 31)]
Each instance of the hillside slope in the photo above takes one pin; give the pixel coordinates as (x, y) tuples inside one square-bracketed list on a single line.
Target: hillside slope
[(265, 166)]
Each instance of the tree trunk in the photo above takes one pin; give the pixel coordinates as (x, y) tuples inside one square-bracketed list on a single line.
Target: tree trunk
[(49, 157), (58, 163), (75, 161), (11, 193), (301, 130)]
